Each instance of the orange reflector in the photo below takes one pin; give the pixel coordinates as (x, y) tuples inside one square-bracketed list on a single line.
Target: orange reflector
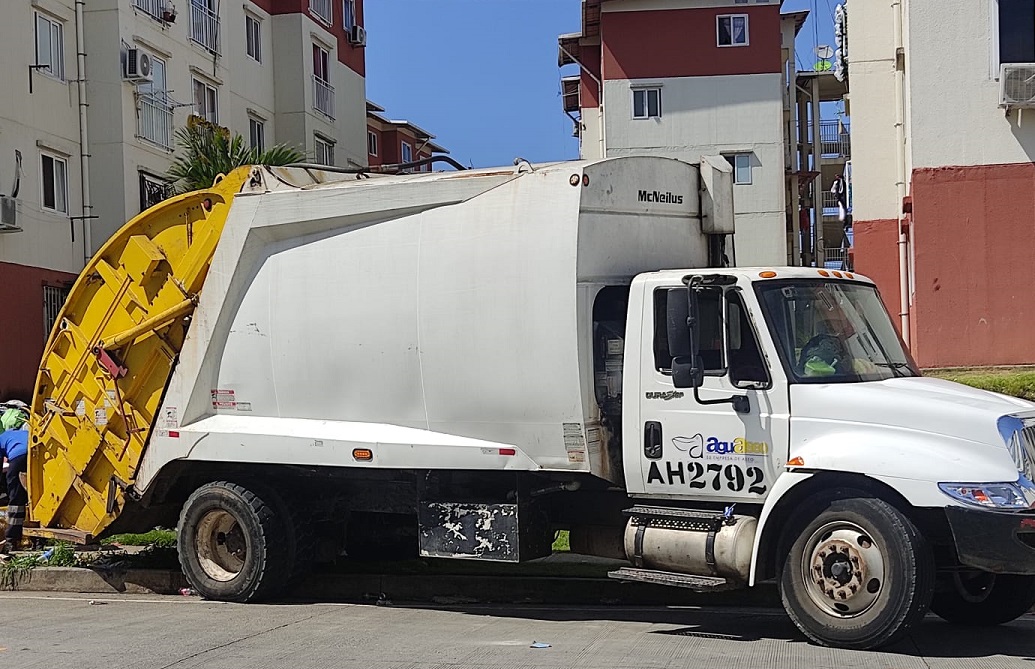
[(796, 462), (836, 273), (767, 274), (823, 272), (849, 275), (363, 454)]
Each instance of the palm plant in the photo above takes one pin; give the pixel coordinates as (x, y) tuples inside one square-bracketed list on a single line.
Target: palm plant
[(207, 150)]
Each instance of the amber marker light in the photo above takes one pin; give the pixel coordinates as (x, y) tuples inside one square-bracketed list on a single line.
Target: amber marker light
[(363, 454), (767, 274)]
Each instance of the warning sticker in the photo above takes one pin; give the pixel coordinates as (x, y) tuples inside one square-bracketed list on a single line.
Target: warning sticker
[(224, 405), (170, 421), (223, 396), (574, 442), (80, 408), (244, 406), (100, 417)]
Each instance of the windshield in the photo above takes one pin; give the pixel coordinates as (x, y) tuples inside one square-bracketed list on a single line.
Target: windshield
[(833, 332)]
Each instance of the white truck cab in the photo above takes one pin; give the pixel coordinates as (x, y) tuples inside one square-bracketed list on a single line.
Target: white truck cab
[(300, 362)]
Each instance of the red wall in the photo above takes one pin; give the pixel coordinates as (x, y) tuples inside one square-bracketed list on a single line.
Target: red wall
[(875, 255), (683, 43), (974, 237), (21, 333), (589, 93), (351, 56)]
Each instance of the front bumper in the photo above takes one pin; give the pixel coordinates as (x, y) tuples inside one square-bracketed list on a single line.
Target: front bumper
[(995, 541)]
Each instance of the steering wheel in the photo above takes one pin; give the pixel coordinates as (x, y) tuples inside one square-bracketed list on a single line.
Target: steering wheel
[(816, 342)]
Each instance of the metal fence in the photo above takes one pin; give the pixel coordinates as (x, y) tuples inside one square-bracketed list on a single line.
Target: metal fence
[(53, 299), (155, 121), (152, 7), (834, 140), (204, 27), (837, 258), (323, 97)]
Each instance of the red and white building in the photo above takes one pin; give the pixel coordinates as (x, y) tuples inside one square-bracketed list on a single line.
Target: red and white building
[(943, 173), (394, 142), (684, 78)]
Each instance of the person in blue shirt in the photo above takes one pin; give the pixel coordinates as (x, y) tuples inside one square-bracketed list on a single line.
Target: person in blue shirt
[(14, 447)]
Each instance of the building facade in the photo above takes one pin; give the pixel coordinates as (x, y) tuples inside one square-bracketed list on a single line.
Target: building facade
[(685, 78), (95, 93), (943, 173), (395, 142)]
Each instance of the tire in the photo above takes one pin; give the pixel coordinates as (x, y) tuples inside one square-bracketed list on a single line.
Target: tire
[(857, 572), (982, 599), (235, 544)]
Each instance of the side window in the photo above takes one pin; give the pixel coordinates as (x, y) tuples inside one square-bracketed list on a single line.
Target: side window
[(747, 366), (709, 304)]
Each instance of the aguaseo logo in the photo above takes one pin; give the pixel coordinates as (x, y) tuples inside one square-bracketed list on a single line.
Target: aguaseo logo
[(696, 446)]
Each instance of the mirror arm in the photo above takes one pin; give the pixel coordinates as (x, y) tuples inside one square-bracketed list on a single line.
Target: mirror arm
[(740, 403)]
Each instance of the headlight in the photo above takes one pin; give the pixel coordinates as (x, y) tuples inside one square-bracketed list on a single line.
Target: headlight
[(1020, 495)]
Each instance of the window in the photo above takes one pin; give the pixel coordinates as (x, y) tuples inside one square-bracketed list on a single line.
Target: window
[(349, 13), (153, 190), (741, 164), (1016, 31), (747, 366), (205, 101), (321, 9), (321, 63), (732, 29), (372, 143), (50, 47), (257, 134), (154, 111), (324, 151), (204, 24), (253, 28), (53, 300), (54, 179), (323, 92), (646, 103), (407, 153)]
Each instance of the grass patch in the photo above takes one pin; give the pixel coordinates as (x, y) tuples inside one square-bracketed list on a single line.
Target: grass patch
[(1014, 381), (157, 537), (560, 543)]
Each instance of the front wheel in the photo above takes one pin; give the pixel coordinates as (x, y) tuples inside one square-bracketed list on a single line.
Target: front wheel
[(235, 543), (857, 572), (982, 599)]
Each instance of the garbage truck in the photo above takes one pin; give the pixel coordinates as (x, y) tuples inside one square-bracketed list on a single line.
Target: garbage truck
[(299, 363)]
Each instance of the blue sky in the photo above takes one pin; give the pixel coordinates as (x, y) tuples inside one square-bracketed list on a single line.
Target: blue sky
[(482, 75)]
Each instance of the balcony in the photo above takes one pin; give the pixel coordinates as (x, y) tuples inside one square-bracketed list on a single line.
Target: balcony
[(323, 97), (322, 10), (837, 259), (834, 140), (204, 27), (154, 8), (155, 120)]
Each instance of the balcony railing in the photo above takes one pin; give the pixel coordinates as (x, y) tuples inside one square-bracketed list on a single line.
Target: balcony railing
[(155, 121), (153, 7), (837, 258), (834, 140), (204, 27), (323, 97), (322, 9)]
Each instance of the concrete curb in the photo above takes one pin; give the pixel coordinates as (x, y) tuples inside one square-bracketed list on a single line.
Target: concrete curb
[(439, 589)]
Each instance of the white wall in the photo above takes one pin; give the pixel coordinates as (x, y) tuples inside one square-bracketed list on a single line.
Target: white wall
[(871, 80), (46, 120), (692, 125), (953, 92)]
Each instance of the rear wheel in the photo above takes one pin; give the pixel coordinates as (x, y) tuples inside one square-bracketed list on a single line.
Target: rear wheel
[(982, 599), (233, 543), (857, 573)]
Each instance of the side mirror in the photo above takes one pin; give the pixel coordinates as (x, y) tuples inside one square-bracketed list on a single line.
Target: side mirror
[(684, 337)]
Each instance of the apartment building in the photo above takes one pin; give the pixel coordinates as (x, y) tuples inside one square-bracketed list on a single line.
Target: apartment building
[(684, 78), (943, 131), (94, 92), (394, 142)]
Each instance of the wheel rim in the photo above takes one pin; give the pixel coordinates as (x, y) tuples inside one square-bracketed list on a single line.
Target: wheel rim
[(220, 545), (843, 569), (973, 587)]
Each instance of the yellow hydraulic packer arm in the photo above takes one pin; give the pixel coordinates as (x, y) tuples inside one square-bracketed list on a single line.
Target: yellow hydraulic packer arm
[(110, 357)]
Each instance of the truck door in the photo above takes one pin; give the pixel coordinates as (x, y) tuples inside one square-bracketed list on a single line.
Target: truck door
[(711, 451)]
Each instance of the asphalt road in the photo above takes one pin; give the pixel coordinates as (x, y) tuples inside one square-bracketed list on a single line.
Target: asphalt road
[(184, 632)]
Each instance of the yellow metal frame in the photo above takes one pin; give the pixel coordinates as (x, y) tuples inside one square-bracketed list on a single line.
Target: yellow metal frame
[(108, 361)]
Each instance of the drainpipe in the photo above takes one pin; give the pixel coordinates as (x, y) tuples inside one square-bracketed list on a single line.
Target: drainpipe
[(900, 165), (84, 142), (600, 99), (817, 165)]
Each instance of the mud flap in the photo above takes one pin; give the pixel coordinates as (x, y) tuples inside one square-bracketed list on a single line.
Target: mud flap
[(494, 532)]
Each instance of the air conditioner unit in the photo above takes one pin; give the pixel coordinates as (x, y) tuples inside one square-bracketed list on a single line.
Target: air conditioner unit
[(1017, 85), (8, 214), (138, 66), (358, 36)]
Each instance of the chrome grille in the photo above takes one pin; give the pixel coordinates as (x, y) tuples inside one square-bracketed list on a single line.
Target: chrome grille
[(1022, 448)]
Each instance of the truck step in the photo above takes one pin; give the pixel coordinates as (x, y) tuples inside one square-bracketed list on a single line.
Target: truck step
[(676, 519), (695, 583)]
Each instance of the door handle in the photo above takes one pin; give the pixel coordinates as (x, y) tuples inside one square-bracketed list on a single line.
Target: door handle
[(652, 440)]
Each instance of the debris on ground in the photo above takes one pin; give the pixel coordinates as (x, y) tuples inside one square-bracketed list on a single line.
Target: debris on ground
[(539, 644)]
